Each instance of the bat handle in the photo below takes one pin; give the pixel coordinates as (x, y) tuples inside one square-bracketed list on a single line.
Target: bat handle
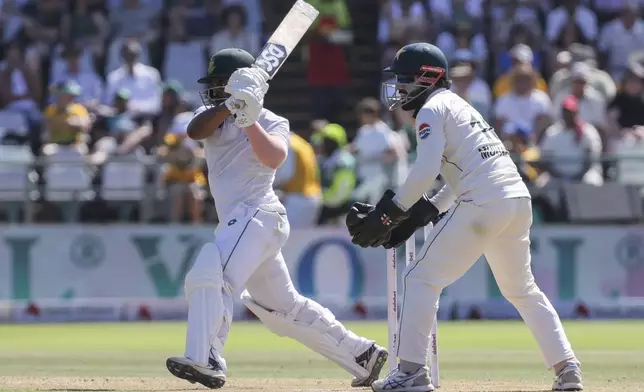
[(263, 73)]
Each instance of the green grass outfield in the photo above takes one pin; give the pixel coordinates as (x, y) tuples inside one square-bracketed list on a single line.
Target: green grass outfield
[(474, 356)]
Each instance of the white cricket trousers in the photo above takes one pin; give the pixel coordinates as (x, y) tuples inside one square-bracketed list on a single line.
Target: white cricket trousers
[(501, 231), (248, 245)]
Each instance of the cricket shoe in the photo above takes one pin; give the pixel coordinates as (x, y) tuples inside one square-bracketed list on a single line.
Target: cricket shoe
[(568, 379), (397, 381), (373, 360), (212, 376)]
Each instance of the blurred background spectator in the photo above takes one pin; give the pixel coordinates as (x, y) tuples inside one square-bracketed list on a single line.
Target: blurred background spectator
[(95, 96)]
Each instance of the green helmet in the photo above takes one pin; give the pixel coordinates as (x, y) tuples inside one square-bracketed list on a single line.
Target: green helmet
[(417, 68), (221, 65)]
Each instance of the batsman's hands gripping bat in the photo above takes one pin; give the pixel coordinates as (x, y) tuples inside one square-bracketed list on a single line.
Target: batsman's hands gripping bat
[(247, 88)]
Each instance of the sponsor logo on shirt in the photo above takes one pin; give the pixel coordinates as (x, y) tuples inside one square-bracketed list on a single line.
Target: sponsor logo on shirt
[(424, 130)]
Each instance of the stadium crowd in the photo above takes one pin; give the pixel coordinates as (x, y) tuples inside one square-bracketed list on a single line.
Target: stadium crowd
[(95, 97)]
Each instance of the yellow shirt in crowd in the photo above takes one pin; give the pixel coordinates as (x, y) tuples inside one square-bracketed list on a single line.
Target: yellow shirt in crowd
[(503, 85), (306, 179), (59, 130)]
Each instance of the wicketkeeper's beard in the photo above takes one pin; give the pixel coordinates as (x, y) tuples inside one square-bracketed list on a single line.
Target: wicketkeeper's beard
[(213, 96)]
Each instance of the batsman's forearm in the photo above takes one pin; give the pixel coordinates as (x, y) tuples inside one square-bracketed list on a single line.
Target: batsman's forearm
[(204, 124), (270, 150)]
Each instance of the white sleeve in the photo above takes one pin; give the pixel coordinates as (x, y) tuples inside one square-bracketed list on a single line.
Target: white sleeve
[(604, 38), (544, 105), (152, 103), (285, 172), (444, 199), (430, 128), (281, 128)]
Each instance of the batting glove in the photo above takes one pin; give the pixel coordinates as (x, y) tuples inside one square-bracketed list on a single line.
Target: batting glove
[(237, 109), (249, 85)]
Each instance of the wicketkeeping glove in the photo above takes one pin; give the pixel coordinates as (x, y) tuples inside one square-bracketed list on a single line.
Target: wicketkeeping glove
[(420, 215), (379, 222), (356, 219), (250, 86)]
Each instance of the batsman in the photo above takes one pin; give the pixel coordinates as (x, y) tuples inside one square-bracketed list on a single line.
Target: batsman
[(244, 145), (489, 212)]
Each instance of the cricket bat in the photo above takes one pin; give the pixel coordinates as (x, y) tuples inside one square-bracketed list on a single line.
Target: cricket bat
[(286, 37)]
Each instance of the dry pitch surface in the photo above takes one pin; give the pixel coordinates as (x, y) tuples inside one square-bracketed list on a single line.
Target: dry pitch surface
[(480, 356)]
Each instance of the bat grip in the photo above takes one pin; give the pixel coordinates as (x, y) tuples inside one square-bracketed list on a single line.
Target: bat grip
[(263, 73)]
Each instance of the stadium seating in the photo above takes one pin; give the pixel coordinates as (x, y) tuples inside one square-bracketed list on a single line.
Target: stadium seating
[(15, 181), (67, 179)]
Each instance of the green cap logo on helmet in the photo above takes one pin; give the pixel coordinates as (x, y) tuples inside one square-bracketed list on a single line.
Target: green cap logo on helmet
[(221, 65)]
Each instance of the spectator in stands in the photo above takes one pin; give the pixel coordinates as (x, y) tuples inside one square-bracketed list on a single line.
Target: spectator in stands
[(184, 180), (398, 17), (521, 57), (191, 19), (119, 123), (471, 88), (620, 37), (11, 25), (626, 111), (66, 121), (142, 81), (43, 28), (91, 84), (87, 27), (525, 104), (446, 11), (235, 33), (375, 150), (21, 91), (515, 22), (571, 148), (519, 34), (172, 104), (327, 67), (135, 19), (571, 13), (462, 36), (570, 35), (298, 181), (523, 151), (591, 105), (598, 79), (337, 170), (253, 11)]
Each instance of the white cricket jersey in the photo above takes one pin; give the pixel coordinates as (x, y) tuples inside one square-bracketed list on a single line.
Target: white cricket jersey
[(235, 174), (455, 141)]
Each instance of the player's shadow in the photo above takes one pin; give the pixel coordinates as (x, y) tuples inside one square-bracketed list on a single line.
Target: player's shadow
[(507, 390), (78, 390), (103, 390)]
